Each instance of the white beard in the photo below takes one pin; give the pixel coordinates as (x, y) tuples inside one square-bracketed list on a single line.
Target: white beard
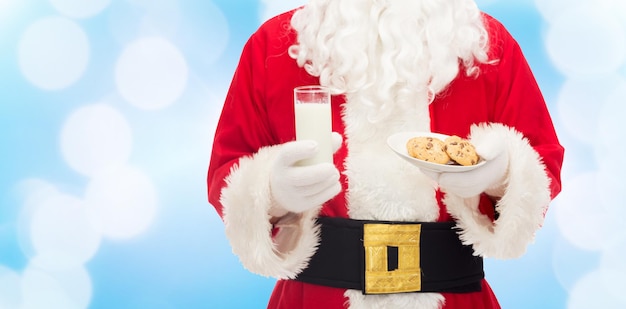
[(389, 54)]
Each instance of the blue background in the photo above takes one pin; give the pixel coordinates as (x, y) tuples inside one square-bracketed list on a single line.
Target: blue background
[(176, 255)]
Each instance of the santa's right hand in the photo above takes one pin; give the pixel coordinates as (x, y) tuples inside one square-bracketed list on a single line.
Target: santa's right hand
[(299, 188)]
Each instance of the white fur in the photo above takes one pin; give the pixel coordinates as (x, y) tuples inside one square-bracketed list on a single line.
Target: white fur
[(247, 202), (522, 207), (388, 53), (381, 185)]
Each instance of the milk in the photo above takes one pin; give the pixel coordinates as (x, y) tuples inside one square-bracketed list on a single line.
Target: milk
[(313, 122)]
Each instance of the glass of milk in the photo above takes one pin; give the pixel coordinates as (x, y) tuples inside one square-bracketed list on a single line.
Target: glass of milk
[(313, 120)]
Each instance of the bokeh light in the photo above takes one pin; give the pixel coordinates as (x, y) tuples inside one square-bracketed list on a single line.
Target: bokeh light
[(34, 192), (61, 225), (578, 207), (95, 136), (122, 201), (608, 153), (53, 53), (5, 6), (62, 289), (591, 292), (10, 292), (80, 8), (570, 264), (161, 17), (151, 73), (612, 266), (551, 9), (586, 33), (580, 104)]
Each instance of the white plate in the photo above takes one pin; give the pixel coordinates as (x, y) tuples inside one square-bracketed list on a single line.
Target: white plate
[(397, 142)]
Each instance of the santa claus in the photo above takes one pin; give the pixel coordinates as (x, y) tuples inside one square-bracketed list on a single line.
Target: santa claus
[(371, 230)]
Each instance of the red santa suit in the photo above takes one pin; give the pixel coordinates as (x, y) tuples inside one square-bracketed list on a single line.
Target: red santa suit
[(258, 117)]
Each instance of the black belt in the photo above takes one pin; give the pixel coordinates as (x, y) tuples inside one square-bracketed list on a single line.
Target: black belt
[(379, 257)]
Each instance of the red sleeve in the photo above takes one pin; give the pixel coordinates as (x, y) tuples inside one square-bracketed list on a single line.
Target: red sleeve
[(259, 97), (520, 104), (241, 129), (505, 92)]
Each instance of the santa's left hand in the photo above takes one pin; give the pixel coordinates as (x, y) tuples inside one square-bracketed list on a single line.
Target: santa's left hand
[(488, 178)]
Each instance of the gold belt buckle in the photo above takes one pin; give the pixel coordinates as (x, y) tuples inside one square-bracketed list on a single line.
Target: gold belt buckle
[(378, 240)]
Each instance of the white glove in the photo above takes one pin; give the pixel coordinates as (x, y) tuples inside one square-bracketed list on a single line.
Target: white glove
[(300, 188), (488, 178)]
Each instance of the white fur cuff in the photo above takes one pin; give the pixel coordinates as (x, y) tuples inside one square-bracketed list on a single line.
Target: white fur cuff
[(246, 200), (522, 207)]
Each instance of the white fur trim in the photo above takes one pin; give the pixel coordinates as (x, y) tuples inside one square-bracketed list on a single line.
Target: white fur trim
[(246, 200), (381, 185), (403, 300), (521, 208)]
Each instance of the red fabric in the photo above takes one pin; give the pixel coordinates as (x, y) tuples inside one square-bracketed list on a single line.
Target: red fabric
[(260, 97), (484, 299), (295, 294), (508, 94)]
